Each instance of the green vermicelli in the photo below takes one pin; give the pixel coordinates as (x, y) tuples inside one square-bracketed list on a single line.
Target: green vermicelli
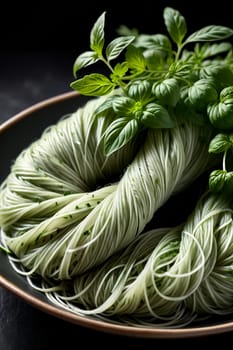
[(65, 207), (167, 276)]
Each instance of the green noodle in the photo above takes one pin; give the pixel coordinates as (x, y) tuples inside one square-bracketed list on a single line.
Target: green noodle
[(165, 277), (60, 222), (76, 219)]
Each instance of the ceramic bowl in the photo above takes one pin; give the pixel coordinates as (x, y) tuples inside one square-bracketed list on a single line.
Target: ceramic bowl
[(15, 135)]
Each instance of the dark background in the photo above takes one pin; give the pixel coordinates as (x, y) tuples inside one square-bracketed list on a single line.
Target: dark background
[(66, 25), (39, 42)]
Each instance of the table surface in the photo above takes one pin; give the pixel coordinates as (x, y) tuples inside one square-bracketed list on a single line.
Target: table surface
[(28, 78)]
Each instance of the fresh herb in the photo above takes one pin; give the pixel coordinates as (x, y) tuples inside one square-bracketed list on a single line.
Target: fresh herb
[(161, 80), (221, 180)]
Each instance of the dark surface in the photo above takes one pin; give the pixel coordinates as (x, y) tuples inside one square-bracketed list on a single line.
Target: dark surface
[(66, 25), (38, 66)]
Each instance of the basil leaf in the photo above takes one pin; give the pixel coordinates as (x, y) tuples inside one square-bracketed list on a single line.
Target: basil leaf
[(116, 46), (202, 92), (156, 116), (84, 60), (135, 59), (93, 85), (226, 95), (221, 74), (123, 105), (180, 70), (119, 133), (221, 113), (97, 35), (210, 33), (221, 180), (154, 61), (140, 90), (220, 143), (175, 23), (119, 71), (157, 42), (167, 91), (207, 50), (228, 187), (217, 179)]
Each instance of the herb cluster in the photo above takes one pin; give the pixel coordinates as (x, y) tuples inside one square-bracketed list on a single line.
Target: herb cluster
[(161, 81)]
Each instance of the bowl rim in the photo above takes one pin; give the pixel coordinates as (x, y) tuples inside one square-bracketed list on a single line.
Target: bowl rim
[(35, 107), (98, 325)]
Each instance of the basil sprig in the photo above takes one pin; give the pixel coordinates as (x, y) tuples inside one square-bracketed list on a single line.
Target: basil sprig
[(221, 180), (160, 80)]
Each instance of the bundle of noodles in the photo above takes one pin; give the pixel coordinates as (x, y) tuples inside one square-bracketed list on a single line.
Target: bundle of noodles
[(75, 207), (167, 276), (66, 207)]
